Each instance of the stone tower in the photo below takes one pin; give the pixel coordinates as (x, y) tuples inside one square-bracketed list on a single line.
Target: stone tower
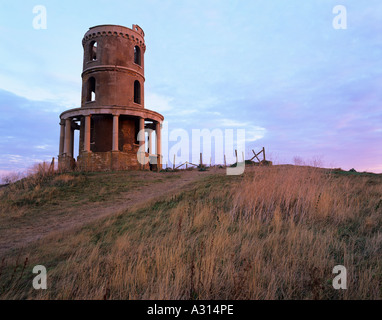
[(112, 109)]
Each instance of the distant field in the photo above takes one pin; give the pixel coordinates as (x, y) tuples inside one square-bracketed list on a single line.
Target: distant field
[(271, 233)]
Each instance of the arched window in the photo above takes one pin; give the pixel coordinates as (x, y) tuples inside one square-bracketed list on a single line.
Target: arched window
[(93, 51), (137, 92), (90, 96), (137, 55)]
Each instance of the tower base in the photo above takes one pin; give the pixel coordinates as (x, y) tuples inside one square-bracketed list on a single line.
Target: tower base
[(66, 163), (109, 161)]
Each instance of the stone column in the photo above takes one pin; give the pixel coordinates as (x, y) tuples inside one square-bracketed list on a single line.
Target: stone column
[(158, 144), (87, 133), (72, 143), (150, 150), (115, 132), (141, 137), (68, 137), (62, 137)]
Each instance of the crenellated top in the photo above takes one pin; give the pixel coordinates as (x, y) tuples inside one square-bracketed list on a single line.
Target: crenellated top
[(138, 29), (136, 34)]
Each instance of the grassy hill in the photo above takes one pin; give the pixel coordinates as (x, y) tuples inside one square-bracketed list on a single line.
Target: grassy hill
[(271, 233)]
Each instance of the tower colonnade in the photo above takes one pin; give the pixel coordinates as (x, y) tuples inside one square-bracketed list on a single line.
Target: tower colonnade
[(149, 121)]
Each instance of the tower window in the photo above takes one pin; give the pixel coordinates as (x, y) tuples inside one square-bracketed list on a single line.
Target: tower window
[(90, 96), (137, 55), (93, 51), (137, 92)]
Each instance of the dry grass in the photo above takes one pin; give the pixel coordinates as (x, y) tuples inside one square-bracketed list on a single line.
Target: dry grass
[(273, 233), (42, 190)]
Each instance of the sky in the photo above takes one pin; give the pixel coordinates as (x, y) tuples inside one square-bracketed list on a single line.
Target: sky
[(278, 69)]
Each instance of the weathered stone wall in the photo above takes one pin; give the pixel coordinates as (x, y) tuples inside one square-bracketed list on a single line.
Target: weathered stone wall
[(109, 161), (128, 132), (101, 133), (66, 163)]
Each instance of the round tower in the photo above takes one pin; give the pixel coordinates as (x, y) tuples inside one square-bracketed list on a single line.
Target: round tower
[(112, 109), (113, 67)]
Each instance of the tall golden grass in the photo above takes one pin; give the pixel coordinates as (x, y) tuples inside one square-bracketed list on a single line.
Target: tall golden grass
[(273, 233)]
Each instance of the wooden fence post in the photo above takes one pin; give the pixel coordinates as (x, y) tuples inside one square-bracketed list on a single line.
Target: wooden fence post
[(51, 169), (256, 155), (237, 160), (225, 162), (201, 160)]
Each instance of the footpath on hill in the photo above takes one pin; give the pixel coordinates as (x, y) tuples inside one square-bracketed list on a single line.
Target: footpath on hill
[(19, 232)]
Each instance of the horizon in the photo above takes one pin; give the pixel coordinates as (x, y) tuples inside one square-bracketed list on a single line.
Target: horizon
[(299, 87)]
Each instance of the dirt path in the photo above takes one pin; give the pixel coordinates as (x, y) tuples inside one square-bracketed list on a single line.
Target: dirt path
[(22, 233)]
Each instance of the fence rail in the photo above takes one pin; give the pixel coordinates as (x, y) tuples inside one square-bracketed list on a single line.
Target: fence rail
[(201, 164)]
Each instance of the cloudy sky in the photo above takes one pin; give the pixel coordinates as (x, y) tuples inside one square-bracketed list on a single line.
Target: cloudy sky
[(276, 68)]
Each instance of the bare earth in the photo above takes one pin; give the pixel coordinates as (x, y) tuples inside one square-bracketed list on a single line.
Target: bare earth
[(18, 233)]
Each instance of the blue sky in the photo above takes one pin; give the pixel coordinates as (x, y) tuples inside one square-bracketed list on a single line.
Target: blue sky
[(276, 68)]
